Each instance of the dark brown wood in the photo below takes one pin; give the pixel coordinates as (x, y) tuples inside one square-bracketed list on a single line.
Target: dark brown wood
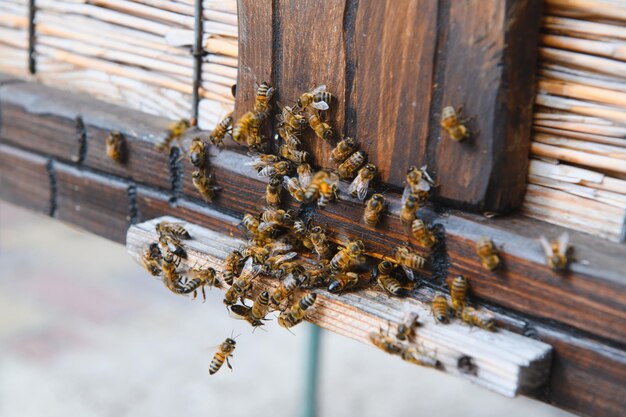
[(393, 69), (24, 179)]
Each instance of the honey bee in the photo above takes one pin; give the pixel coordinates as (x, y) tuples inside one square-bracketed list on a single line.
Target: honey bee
[(174, 132), (260, 306), (171, 276), (151, 259), (293, 155), (348, 168), (408, 213), (198, 153), (251, 223), (344, 149), (373, 209), (243, 312), (264, 93), (418, 184), (243, 283), (222, 355), (410, 322), (202, 182), (471, 317), (278, 216), (408, 260), (343, 258), (320, 242), (450, 122), (257, 253), (323, 187), (385, 280), (246, 130), (556, 251), (343, 281), (320, 127), (277, 169), (116, 147), (176, 230), (288, 267), (291, 121), (318, 98), (232, 266), (272, 193), (423, 234), (358, 187), (276, 260), (300, 227), (415, 356), (304, 175), (289, 138), (223, 127), (458, 292), (488, 253), (296, 313), (318, 275), (172, 245), (262, 160), (439, 308), (295, 190), (285, 289), (385, 343), (200, 277)]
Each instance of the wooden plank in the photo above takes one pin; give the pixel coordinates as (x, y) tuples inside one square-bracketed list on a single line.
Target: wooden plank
[(24, 179)]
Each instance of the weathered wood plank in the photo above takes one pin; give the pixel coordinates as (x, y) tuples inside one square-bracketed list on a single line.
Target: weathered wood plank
[(24, 179)]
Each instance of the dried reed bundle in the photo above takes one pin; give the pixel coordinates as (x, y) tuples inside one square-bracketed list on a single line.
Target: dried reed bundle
[(14, 37)]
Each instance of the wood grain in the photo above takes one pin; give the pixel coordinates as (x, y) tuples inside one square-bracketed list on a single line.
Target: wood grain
[(24, 179)]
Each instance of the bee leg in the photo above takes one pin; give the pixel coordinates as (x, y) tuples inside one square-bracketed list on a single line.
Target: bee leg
[(195, 294), (228, 363), (203, 295)]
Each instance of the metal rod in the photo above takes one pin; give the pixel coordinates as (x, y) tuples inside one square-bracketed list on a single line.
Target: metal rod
[(309, 402), (197, 64)]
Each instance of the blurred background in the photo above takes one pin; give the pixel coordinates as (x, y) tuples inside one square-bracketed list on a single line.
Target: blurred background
[(85, 331)]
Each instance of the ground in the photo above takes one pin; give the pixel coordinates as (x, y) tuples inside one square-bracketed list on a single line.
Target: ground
[(85, 331)]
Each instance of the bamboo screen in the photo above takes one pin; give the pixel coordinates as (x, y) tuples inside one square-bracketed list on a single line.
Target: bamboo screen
[(14, 37)]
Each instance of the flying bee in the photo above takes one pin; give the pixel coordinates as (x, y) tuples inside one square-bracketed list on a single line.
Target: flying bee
[(295, 190), (358, 187), (423, 234), (323, 187), (348, 168), (172, 245), (413, 355), (320, 242), (262, 160), (174, 132), (408, 260), (232, 266), (251, 223), (345, 148), (488, 253), (318, 98), (222, 355), (151, 259), (385, 343), (320, 127), (272, 192), (293, 155), (384, 279), (285, 289), (116, 147), (223, 127), (343, 281), (556, 251), (296, 313), (202, 182), (344, 257), (198, 153), (458, 293), (291, 120), (450, 122), (373, 209), (439, 307), (409, 209), (277, 169), (304, 174), (176, 230), (264, 93), (242, 284), (200, 278), (418, 184), (406, 329), (470, 316)]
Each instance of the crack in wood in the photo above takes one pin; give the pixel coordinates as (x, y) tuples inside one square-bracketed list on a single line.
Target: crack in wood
[(133, 208), (349, 27), (52, 209), (176, 173), (81, 136)]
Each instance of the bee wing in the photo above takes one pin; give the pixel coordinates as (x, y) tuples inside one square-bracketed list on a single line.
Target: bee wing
[(238, 312), (358, 187), (426, 175), (406, 193), (545, 244), (563, 241), (319, 89), (320, 105), (423, 185), (250, 269), (304, 180), (270, 93), (409, 273)]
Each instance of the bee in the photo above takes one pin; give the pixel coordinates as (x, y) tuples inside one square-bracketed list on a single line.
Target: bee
[(408, 259), (358, 187), (198, 153), (224, 352), (277, 169), (174, 132), (318, 98), (246, 130), (293, 155), (232, 266), (171, 276), (223, 127), (151, 259), (471, 317), (257, 253), (278, 216), (262, 160), (175, 230), (116, 147), (293, 186), (172, 245), (304, 174), (243, 312), (422, 233), (385, 343), (291, 121), (450, 122), (406, 329), (556, 251), (288, 267), (343, 258), (264, 93), (251, 223), (200, 277), (488, 253), (345, 148), (439, 307), (348, 168), (320, 127), (343, 281), (318, 275), (202, 182), (409, 209), (289, 138), (373, 209), (272, 192), (418, 184), (296, 313), (415, 356), (276, 260), (320, 242), (458, 292), (384, 279), (260, 306), (287, 287), (243, 283), (323, 187)]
